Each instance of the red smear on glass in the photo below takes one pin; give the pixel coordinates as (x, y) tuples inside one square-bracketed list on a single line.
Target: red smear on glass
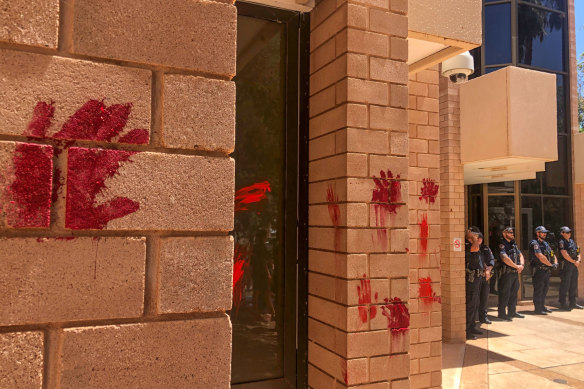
[(335, 214), (429, 191), (87, 170), (30, 193), (398, 316), (426, 292), (386, 193), (42, 117), (137, 137), (251, 194), (240, 267), (424, 233)]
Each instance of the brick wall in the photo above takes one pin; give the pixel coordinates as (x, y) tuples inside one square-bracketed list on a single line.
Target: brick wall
[(424, 225), (358, 235), (116, 193), (578, 190), (453, 214)]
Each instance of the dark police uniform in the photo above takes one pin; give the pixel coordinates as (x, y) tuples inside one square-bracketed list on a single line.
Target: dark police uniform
[(474, 273), (541, 276), (569, 274), (508, 280), (488, 260)]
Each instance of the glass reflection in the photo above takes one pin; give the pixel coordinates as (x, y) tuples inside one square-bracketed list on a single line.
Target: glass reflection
[(555, 177), (502, 187), (561, 103), (257, 312), (501, 211), (541, 38), (497, 34), (554, 4)]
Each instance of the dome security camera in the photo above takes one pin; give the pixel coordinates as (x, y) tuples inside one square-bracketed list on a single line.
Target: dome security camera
[(458, 68)]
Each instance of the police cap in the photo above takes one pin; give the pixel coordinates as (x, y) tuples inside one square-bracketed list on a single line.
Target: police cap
[(541, 229), (565, 229)]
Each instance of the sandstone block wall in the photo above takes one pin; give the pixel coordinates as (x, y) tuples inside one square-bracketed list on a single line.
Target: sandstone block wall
[(359, 295), (425, 234), (116, 193)]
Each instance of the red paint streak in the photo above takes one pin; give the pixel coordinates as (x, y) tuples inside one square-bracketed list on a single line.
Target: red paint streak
[(335, 214), (386, 193), (424, 233), (240, 267), (364, 294), (398, 316), (137, 137), (29, 194), (251, 194), (87, 171), (42, 116), (344, 372), (427, 294), (429, 191), (407, 250)]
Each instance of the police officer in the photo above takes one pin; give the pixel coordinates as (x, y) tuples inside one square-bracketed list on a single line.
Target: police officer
[(474, 268), (489, 262), (512, 264), (570, 258), (540, 257)]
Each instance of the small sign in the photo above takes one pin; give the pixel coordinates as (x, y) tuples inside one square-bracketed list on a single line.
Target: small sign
[(457, 244)]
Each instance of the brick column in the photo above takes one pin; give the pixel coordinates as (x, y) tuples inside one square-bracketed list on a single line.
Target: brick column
[(424, 222), (578, 189), (358, 235), (116, 193), (452, 214)]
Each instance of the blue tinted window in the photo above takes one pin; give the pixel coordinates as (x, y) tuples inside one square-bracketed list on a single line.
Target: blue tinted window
[(497, 34), (561, 103), (541, 38), (490, 70), (554, 4)]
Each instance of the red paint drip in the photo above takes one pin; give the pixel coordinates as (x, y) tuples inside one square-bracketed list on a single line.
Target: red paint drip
[(335, 214), (398, 316), (364, 294), (30, 193), (251, 194), (240, 267), (424, 233), (57, 184), (429, 191), (344, 372), (427, 294), (386, 193), (87, 171), (136, 137), (42, 117)]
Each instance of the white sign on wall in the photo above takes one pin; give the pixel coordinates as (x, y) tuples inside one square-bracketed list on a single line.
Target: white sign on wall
[(457, 244)]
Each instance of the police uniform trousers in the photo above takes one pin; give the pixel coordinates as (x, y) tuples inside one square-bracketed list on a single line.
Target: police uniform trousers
[(541, 283), (569, 284), (508, 288), (472, 302), (484, 298)]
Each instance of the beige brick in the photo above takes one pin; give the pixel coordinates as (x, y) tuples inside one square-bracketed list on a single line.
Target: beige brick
[(387, 118), (325, 146), (21, 360), (398, 166), (30, 23), (171, 354), (399, 96), (318, 379), (365, 344), (389, 367), (345, 115), (388, 70), (388, 23), (174, 192), (363, 141), (362, 91), (389, 265), (362, 42), (202, 36), (400, 6), (195, 274), (398, 48), (69, 83), (322, 55), (49, 279), (198, 113)]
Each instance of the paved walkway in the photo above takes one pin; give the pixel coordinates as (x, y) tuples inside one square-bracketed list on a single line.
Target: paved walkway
[(534, 352)]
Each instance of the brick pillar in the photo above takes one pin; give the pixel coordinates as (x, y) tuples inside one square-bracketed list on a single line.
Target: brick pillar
[(116, 193), (578, 189), (452, 214), (358, 215), (424, 222)]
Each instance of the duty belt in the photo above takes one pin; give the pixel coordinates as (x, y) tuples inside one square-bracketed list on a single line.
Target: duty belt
[(543, 267), (472, 274), (508, 269)]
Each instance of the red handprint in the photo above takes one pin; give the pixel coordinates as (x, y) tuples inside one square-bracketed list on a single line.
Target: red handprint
[(429, 191), (398, 316), (364, 293)]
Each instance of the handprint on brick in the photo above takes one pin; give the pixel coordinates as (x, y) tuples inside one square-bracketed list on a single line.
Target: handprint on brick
[(335, 214), (386, 194), (397, 314), (364, 293), (429, 191)]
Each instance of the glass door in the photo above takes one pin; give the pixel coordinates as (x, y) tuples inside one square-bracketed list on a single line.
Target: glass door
[(269, 260)]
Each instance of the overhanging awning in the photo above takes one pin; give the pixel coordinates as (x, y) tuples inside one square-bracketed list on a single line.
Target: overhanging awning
[(508, 125)]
